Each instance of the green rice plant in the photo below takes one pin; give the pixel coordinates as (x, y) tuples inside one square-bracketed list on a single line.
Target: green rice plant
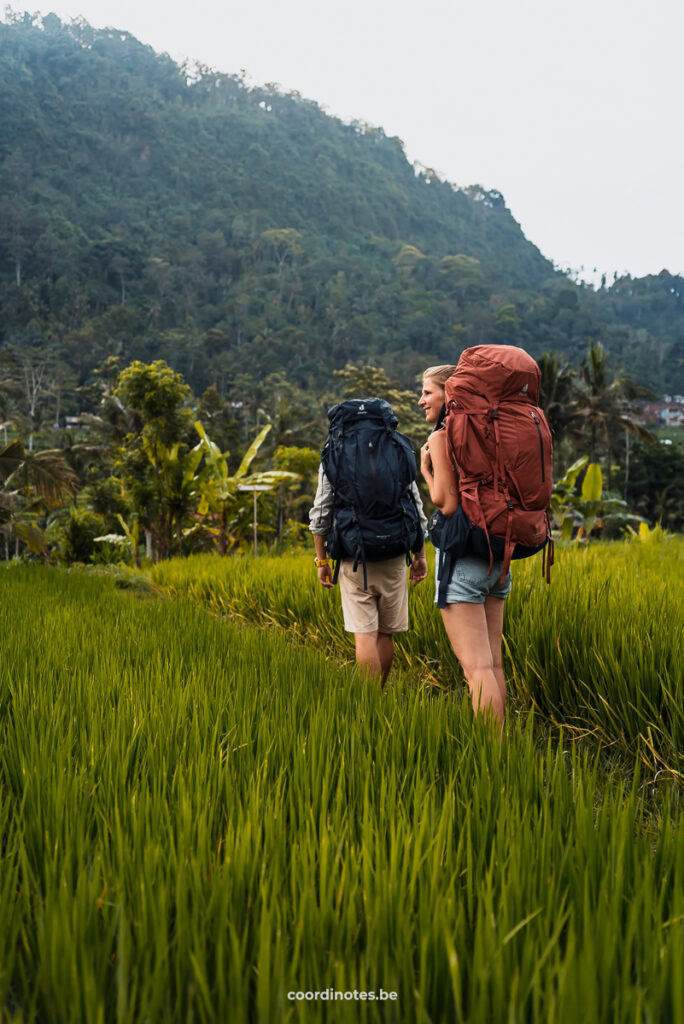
[(198, 817), (600, 650), (606, 650)]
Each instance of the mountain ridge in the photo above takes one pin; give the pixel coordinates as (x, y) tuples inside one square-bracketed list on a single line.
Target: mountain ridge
[(194, 218)]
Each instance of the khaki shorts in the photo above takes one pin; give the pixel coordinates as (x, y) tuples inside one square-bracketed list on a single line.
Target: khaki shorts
[(384, 606)]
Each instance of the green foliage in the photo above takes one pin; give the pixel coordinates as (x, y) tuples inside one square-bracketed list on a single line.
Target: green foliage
[(106, 497), (220, 492), (648, 535), (157, 393), (576, 649), (604, 401), (34, 538), (296, 242), (293, 498), (589, 509), (77, 538), (187, 498), (200, 818), (43, 473), (302, 461), (558, 394), (653, 483), (31, 483), (373, 382)]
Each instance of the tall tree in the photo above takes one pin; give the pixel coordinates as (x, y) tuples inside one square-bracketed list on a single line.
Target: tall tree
[(605, 407)]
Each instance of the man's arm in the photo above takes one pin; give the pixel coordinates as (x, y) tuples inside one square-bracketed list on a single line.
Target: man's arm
[(418, 570), (320, 522), (419, 505), (321, 512), (324, 571)]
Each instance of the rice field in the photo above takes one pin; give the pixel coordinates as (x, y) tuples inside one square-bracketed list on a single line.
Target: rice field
[(199, 817), (600, 650)]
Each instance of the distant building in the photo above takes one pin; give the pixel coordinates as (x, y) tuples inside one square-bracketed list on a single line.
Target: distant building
[(648, 413), (668, 412), (672, 415)]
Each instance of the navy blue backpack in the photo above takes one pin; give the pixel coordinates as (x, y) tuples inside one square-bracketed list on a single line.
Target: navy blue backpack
[(371, 468)]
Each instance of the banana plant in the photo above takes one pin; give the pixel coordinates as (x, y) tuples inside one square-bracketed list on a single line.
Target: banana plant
[(220, 490), (130, 539), (563, 502), (591, 507), (648, 535), (33, 537)]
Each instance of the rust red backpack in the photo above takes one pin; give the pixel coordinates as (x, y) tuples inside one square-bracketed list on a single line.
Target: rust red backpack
[(501, 445)]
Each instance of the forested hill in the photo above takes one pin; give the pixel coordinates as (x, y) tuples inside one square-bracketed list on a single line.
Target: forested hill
[(150, 212)]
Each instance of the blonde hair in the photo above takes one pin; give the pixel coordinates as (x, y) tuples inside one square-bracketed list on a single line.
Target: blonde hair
[(439, 374)]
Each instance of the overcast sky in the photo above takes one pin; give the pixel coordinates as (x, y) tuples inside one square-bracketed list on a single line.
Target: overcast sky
[(572, 110)]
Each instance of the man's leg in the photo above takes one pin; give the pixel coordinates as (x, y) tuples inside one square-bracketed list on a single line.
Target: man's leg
[(367, 654), (392, 608), (385, 654), (360, 608)]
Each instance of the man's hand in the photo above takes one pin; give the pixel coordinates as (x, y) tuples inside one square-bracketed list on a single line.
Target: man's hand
[(325, 576), (418, 570)]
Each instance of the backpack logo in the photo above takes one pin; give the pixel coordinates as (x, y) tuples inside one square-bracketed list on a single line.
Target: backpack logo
[(362, 408)]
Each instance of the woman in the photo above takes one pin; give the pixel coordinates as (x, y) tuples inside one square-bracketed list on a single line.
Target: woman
[(473, 616)]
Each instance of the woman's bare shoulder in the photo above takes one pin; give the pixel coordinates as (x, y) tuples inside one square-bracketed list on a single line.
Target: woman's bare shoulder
[(437, 442), (437, 439)]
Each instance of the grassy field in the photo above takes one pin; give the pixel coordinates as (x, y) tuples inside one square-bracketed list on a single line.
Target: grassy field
[(198, 817), (600, 650)]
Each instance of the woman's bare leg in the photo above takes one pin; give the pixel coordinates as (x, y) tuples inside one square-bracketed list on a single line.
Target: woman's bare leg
[(467, 629), (494, 612)]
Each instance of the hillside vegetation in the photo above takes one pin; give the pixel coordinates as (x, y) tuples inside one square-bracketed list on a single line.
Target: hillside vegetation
[(149, 210)]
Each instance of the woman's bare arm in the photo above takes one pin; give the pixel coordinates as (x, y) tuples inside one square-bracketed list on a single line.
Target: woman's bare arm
[(439, 473)]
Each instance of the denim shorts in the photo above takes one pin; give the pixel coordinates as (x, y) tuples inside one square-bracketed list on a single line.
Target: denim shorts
[(471, 582)]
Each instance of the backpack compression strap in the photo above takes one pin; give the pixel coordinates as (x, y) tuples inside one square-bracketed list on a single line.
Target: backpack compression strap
[(444, 574), (548, 552), (359, 556)]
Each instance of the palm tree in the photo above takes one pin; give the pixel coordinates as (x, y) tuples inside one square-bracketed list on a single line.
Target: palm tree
[(115, 421), (557, 392), (46, 473), (606, 406), (30, 481)]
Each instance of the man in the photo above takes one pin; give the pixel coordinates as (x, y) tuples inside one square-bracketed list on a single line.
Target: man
[(374, 592)]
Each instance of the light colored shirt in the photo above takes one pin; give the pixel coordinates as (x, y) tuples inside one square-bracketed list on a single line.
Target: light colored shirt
[(321, 513)]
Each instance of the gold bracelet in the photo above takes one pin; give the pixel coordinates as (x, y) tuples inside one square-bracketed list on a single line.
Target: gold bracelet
[(318, 562)]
